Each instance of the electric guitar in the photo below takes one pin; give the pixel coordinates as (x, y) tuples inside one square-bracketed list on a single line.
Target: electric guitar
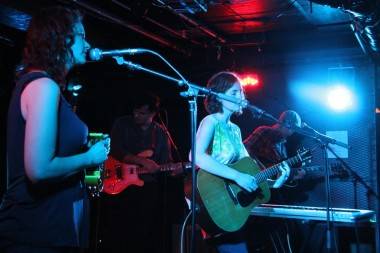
[(119, 176), (225, 206)]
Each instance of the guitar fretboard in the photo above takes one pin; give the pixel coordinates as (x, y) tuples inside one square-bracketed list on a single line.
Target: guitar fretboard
[(275, 169), (162, 168)]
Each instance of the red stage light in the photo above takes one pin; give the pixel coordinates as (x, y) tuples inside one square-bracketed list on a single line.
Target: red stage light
[(251, 80)]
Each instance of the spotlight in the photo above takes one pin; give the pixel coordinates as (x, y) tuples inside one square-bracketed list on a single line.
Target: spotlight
[(340, 98)]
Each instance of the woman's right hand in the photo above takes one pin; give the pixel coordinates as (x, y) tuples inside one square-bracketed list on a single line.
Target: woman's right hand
[(98, 152), (246, 181)]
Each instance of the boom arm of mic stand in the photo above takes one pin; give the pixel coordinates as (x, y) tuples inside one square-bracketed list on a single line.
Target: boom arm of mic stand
[(321, 137), (330, 140), (193, 89), (134, 66), (257, 112)]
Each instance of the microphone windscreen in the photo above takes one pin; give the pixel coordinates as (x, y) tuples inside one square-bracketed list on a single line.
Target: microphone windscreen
[(95, 54)]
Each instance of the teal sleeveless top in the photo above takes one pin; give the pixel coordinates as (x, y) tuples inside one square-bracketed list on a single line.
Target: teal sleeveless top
[(227, 145)]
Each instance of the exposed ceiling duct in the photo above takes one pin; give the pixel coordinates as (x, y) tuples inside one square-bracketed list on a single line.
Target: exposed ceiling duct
[(191, 21), (218, 25), (162, 26), (366, 22), (133, 27), (187, 6)]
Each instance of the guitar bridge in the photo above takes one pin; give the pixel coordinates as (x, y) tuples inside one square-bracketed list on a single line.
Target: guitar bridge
[(246, 198), (231, 193)]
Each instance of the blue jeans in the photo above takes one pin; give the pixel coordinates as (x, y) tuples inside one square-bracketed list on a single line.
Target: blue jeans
[(240, 247)]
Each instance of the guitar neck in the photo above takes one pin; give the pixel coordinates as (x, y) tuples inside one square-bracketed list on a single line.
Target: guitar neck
[(275, 169), (162, 168)]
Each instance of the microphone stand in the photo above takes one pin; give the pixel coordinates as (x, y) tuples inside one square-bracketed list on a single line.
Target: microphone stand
[(328, 140), (194, 89), (166, 130), (324, 141), (165, 184), (359, 179), (192, 93)]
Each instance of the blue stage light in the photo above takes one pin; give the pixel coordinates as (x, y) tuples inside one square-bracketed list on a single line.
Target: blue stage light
[(340, 98)]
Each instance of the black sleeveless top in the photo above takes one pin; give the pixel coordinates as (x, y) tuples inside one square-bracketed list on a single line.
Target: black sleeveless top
[(49, 214)]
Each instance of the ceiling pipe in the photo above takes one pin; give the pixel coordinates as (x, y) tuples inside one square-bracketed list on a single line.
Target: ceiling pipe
[(248, 41), (6, 41), (359, 39), (194, 23), (164, 27), (366, 21), (301, 10), (132, 27), (201, 6), (14, 18), (245, 44)]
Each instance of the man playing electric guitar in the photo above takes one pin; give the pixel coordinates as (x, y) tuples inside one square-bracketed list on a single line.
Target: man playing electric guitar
[(120, 175), (267, 144), (134, 219)]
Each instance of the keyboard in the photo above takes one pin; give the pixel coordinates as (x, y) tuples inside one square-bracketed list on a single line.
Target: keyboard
[(313, 213)]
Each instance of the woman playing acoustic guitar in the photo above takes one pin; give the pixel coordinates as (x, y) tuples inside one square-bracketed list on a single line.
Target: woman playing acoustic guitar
[(219, 143)]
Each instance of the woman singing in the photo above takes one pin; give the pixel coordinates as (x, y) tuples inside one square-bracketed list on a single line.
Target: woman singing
[(219, 143), (45, 207)]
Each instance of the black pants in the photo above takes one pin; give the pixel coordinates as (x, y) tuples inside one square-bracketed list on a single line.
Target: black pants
[(34, 249), (131, 221)]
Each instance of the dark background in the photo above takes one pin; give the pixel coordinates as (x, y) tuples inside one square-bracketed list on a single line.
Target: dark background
[(296, 46)]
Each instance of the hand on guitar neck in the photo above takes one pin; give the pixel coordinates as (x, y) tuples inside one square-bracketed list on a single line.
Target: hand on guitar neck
[(143, 160), (148, 164)]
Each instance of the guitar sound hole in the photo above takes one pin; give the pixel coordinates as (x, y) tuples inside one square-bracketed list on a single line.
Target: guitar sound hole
[(245, 198)]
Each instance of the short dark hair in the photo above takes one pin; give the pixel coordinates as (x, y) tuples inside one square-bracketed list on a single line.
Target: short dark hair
[(290, 119), (149, 99), (220, 82), (48, 41)]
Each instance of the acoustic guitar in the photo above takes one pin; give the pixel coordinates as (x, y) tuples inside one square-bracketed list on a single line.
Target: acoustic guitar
[(225, 206)]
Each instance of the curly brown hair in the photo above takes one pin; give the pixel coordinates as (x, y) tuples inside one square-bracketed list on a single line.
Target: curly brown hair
[(48, 41), (220, 82)]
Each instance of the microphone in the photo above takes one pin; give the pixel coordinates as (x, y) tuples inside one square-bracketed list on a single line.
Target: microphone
[(323, 137), (96, 54)]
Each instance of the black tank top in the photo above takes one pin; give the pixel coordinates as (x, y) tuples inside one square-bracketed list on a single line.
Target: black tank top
[(52, 213)]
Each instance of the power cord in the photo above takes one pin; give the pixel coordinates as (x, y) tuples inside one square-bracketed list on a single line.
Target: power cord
[(183, 232)]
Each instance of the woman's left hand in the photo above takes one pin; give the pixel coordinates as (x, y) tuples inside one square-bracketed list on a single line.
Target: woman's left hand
[(285, 171)]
